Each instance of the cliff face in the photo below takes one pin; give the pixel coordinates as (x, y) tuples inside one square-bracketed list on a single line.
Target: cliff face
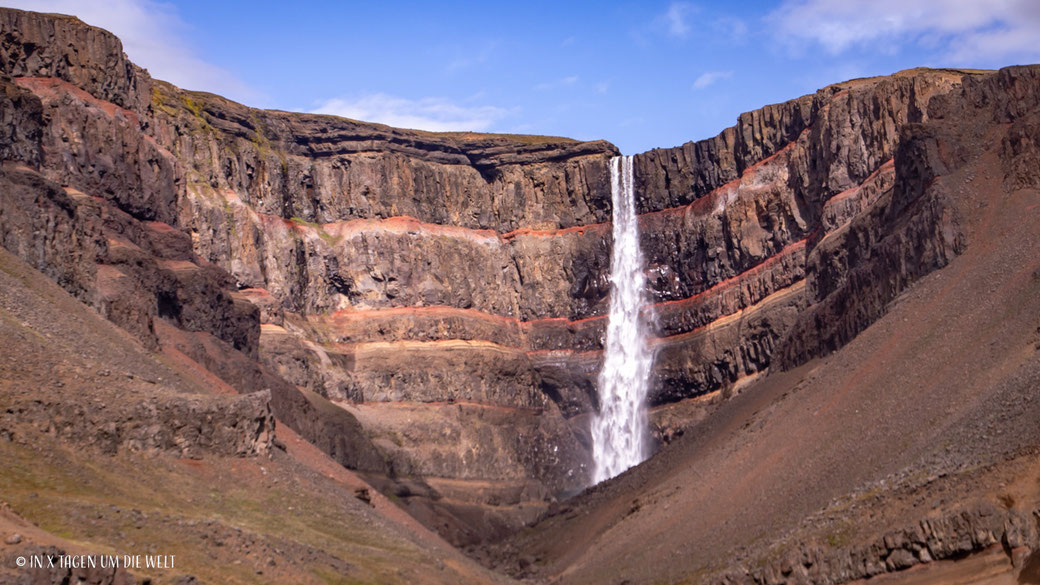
[(89, 198), (326, 213), (449, 290), (184, 218), (909, 440), (742, 253)]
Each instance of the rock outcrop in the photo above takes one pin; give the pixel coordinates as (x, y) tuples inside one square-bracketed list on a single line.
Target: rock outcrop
[(954, 535), (64, 377), (181, 426)]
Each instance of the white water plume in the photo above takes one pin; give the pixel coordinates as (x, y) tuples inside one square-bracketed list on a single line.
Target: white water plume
[(620, 430)]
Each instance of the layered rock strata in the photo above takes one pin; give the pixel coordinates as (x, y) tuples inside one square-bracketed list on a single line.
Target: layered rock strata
[(934, 388), (88, 197), (459, 277)]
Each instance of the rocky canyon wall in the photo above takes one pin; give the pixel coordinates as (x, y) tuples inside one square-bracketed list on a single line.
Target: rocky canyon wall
[(430, 307), (89, 199)]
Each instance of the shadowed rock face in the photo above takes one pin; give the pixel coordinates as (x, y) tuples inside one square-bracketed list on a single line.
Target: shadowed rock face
[(464, 276), (853, 128)]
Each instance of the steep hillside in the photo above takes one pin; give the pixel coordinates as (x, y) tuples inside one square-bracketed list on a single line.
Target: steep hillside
[(108, 448)]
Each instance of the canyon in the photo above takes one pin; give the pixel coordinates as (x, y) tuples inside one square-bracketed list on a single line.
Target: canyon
[(410, 326)]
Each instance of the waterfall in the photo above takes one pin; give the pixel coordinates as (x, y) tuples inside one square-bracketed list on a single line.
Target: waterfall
[(619, 432)]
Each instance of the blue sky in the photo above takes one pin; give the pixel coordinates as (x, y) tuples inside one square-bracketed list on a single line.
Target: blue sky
[(640, 74)]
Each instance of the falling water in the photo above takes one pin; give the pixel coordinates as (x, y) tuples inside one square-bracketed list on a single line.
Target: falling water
[(619, 432)]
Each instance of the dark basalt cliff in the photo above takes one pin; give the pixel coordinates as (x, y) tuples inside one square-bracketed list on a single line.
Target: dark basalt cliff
[(429, 307), (899, 325)]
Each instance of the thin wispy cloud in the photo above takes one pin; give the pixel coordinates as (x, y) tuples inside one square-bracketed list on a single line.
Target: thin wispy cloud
[(557, 83), (470, 58), (153, 37), (685, 21), (461, 63), (676, 19), (430, 113), (734, 28), (709, 78), (963, 31)]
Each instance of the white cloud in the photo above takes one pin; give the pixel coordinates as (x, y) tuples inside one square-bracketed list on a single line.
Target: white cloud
[(675, 18), (966, 30), (434, 114), (711, 77), (153, 37)]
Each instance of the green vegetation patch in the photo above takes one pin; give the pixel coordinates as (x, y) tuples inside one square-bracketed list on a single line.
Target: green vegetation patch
[(174, 105), (317, 227)]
